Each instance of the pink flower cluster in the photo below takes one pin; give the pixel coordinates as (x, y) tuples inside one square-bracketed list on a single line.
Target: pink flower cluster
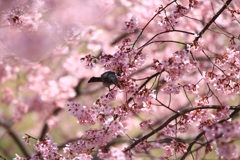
[(228, 130), (145, 124), (143, 146), (176, 66), (170, 21), (89, 60), (174, 147), (85, 115), (131, 25), (95, 137), (24, 17), (47, 148), (112, 154), (178, 89), (124, 62)]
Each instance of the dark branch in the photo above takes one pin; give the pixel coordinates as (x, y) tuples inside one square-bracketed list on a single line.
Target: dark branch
[(169, 120)]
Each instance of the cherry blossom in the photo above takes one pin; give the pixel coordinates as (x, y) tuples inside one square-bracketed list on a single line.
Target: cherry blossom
[(131, 25), (176, 63)]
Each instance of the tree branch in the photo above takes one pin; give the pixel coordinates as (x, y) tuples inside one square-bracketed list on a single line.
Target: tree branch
[(169, 120), (212, 20), (15, 138)]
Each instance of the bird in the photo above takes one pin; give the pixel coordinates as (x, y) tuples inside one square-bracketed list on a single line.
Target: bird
[(107, 78)]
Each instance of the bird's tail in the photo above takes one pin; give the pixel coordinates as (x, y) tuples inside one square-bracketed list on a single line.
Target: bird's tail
[(95, 79)]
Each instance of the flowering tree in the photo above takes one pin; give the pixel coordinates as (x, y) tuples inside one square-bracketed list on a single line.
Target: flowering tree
[(177, 65)]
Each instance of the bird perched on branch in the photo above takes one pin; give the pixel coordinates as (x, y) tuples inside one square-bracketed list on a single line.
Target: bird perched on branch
[(108, 78)]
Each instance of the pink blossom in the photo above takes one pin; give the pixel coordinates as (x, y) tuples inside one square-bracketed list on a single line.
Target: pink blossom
[(204, 100), (169, 130), (85, 115), (19, 158), (106, 99), (47, 148), (114, 153), (223, 113), (143, 146), (170, 21), (171, 89), (82, 157), (179, 147), (26, 139), (7, 71), (144, 125), (208, 149), (131, 25), (192, 88), (227, 151), (89, 61), (229, 131), (157, 65), (210, 77), (177, 65), (168, 151), (8, 96), (98, 137), (145, 95)]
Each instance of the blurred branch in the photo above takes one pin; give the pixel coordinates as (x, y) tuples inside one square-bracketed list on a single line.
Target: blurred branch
[(15, 138), (122, 36), (5, 153), (119, 38), (2, 158), (76, 89), (56, 111), (45, 127)]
